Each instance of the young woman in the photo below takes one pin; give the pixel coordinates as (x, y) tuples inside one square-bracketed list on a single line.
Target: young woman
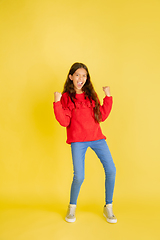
[(79, 110)]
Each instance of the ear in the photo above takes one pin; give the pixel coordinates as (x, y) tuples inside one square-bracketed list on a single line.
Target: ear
[(70, 77)]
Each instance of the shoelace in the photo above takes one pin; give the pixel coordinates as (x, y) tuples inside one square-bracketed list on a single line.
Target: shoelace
[(110, 213), (71, 211)]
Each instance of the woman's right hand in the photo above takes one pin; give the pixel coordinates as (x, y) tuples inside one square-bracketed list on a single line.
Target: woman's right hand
[(57, 96)]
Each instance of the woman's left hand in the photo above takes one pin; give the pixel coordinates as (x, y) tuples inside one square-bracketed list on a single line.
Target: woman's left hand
[(107, 91)]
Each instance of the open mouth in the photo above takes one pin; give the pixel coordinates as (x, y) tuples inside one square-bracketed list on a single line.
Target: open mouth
[(79, 84)]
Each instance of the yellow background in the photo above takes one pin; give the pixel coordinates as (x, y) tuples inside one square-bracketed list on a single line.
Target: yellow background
[(119, 41)]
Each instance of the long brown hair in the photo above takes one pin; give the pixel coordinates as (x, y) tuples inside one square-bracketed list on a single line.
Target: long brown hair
[(88, 89)]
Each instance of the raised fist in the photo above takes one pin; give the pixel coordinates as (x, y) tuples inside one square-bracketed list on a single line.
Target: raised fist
[(57, 96), (107, 91)]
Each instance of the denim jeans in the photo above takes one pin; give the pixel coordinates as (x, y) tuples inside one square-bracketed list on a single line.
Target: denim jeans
[(100, 147)]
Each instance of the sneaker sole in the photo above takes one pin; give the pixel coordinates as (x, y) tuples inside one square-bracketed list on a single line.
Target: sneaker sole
[(70, 220), (110, 220)]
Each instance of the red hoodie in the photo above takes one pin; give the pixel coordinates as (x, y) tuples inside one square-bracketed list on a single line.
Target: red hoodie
[(79, 118)]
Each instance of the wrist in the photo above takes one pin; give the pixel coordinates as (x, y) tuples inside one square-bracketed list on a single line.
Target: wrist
[(57, 100), (108, 95)]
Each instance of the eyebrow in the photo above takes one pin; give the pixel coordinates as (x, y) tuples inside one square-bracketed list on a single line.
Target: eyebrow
[(81, 74)]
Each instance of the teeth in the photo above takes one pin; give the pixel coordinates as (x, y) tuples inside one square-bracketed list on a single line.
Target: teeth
[(80, 83)]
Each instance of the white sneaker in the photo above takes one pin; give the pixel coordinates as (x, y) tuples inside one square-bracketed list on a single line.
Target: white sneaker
[(108, 213), (70, 216)]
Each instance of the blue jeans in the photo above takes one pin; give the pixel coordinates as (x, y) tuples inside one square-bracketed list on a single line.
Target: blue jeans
[(100, 147)]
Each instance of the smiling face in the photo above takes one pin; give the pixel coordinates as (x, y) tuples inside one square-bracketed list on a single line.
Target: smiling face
[(79, 78)]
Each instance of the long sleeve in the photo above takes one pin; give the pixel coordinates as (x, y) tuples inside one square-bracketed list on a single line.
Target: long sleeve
[(106, 107), (62, 115), (78, 117)]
